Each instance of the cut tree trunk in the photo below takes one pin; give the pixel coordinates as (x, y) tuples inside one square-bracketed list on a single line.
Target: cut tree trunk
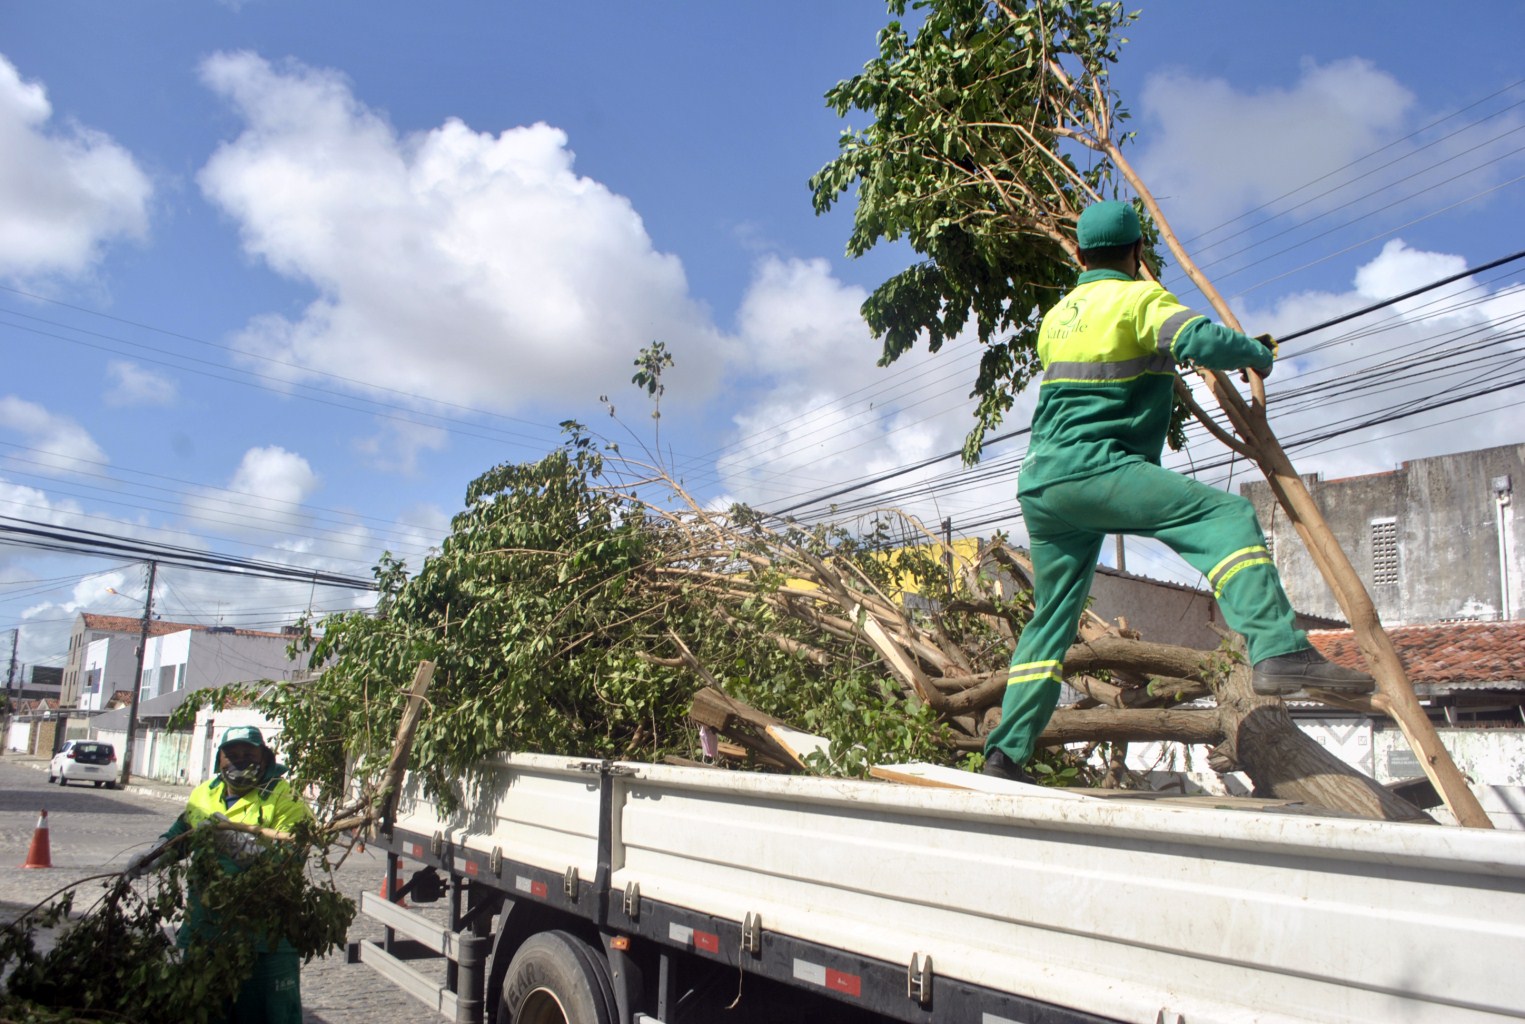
[(1250, 734)]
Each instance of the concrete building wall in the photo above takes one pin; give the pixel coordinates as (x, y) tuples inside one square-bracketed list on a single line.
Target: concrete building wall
[(1162, 612), (164, 661), (1436, 540), (1170, 613), (115, 657), (217, 659), (80, 639), (196, 659)]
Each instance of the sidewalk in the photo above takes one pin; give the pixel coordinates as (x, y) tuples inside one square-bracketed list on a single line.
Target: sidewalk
[(140, 786)]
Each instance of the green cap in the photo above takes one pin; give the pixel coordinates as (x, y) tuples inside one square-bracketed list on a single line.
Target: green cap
[(243, 734), (1109, 223)]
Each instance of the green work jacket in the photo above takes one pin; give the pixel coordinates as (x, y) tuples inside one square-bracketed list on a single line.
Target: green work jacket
[(1109, 351)]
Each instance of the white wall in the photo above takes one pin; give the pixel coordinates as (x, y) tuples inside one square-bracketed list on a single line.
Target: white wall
[(1493, 760), (19, 736), (212, 659), (170, 650), (207, 734), (117, 658)]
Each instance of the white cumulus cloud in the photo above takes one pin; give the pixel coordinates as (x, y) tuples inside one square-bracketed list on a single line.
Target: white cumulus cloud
[(1415, 369), (1215, 152), (53, 444), (265, 493), (66, 191), (449, 264), (822, 416), (398, 446), (132, 385)]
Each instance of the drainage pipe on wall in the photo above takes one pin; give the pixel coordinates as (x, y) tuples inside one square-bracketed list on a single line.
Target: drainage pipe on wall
[(1502, 493)]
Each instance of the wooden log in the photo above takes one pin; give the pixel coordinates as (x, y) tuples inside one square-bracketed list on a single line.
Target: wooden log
[(741, 723)]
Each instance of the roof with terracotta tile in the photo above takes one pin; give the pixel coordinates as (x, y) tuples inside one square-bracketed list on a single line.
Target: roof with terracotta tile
[(128, 624), (161, 627), (1443, 656)]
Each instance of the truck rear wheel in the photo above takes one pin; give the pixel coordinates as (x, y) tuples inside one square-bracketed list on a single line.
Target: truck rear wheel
[(556, 978)]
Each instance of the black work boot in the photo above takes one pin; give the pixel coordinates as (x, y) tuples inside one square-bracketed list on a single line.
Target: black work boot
[(999, 766), (1307, 670)]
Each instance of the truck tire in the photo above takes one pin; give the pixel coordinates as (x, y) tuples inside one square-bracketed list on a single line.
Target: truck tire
[(556, 978)]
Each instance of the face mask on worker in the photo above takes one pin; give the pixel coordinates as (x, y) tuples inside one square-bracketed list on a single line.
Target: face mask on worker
[(242, 765)]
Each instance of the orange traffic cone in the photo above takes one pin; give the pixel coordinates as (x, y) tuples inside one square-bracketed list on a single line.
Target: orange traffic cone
[(40, 854), (388, 887)]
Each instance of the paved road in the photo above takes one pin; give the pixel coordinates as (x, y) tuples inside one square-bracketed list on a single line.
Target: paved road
[(92, 831)]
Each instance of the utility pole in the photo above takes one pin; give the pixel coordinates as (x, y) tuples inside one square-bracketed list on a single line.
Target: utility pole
[(10, 677), (947, 525), (137, 682)]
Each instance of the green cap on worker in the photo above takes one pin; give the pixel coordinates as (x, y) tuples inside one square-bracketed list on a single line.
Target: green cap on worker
[(1108, 223), (242, 734)]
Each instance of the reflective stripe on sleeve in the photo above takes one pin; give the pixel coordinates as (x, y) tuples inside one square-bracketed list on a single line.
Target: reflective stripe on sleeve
[(1172, 327), (1035, 672), (1230, 566)]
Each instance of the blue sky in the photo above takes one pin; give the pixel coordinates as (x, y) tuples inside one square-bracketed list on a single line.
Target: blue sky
[(278, 280)]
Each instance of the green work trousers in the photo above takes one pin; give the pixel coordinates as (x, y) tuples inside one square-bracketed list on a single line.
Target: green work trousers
[(273, 993), (1217, 533)]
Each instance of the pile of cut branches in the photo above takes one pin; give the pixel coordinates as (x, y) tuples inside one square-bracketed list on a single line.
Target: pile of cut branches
[(581, 601)]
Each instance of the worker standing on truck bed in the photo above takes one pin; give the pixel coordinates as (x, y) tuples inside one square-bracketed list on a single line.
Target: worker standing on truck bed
[(1109, 351)]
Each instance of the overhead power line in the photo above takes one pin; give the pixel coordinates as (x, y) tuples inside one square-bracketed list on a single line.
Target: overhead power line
[(865, 484), (23, 532)]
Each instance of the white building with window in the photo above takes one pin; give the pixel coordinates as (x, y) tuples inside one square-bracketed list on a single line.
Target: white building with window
[(176, 664), (107, 665), (194, 659), (90, 627)]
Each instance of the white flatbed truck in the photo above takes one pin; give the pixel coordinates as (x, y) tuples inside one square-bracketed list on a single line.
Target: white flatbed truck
[(587, 892)]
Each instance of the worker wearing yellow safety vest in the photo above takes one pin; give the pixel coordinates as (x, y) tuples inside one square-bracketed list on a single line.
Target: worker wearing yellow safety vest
[(248, 789), (1110, 349)]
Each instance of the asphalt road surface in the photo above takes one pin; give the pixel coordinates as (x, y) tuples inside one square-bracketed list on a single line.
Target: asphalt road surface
[(92, 831)]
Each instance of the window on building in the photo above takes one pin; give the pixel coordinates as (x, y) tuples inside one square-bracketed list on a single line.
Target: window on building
[(180, 677), (1384, 550)]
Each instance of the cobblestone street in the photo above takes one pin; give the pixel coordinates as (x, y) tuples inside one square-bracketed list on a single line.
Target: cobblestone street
[(94, 831)]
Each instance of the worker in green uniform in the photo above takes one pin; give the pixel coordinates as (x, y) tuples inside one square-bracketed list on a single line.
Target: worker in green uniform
[(1110, 349), (248, 789)]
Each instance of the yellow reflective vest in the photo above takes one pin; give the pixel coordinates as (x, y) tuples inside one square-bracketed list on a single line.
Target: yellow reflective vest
[(1109, 351), (271, 804)]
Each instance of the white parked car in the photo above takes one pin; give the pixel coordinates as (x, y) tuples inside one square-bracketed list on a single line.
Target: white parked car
[(84, 761)]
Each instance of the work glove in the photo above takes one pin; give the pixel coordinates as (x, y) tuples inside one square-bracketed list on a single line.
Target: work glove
[(1269, 342), (139, 865), (240, 847)]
